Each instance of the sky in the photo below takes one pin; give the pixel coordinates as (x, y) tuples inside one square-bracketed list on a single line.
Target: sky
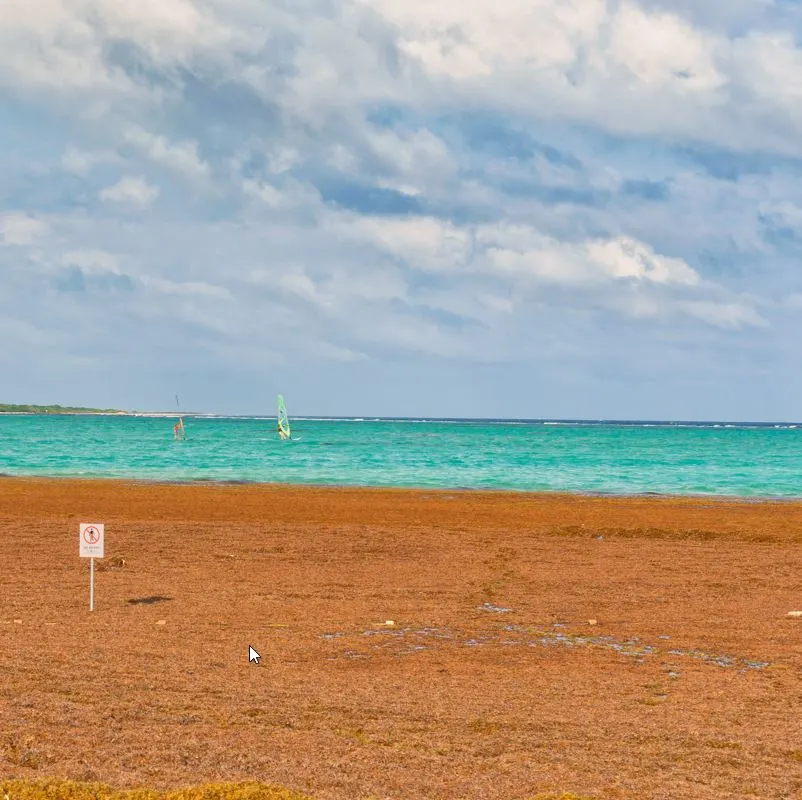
[(525, 208)]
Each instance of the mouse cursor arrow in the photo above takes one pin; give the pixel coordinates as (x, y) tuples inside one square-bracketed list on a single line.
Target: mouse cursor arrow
[(253, 656)]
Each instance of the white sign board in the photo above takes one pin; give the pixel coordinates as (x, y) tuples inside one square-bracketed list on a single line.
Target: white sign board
[(91, 540)]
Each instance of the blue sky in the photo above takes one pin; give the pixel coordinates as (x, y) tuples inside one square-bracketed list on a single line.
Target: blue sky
[(552, 208)]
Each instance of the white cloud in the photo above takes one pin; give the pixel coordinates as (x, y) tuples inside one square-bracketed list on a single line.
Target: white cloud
[(657, 47), (423, 242), (419, 159), (496, 303), (401, 188), (523, 260), (474, 39), (291, 194), (516, 250), (627, 67), (55, 45), (81, 162), (91, 260), (23, 333), (332, 352), (46, 44), (182, 157), (167, 30), (265, 192), (724, 314), (619, 66), (300, 284), (20, 229), (284, 158), (546, 259), (783, 214), (626, 258), (130, 189), (198, 289)]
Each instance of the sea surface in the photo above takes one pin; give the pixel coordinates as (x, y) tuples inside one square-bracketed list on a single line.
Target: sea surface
[(739, 460)]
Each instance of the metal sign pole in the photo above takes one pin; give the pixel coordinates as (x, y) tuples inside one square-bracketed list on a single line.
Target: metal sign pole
[(91, 584)]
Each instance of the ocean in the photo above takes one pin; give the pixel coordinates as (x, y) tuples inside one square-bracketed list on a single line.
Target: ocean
[(627, 458)]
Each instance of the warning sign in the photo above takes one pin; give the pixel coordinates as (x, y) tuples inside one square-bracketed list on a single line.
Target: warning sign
[(91, 540)]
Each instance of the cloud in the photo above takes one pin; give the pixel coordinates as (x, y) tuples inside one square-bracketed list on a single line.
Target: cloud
[(188, 288), (623, 67), (626, 258), (130, 189), (80, 162), (20, 229), (616, 275), (422, 242), (66, 46), (724, 315), (92, 260), (386, 183), (516, 251), (289, 194), (182, 157)]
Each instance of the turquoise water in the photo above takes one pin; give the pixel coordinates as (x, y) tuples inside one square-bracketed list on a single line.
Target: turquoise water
[(741, 460)]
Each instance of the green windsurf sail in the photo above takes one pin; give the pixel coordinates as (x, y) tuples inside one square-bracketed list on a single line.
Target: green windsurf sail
[(283, 421)]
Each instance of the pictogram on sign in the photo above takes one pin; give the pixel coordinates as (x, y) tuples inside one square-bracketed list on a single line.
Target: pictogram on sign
[(91, 540)]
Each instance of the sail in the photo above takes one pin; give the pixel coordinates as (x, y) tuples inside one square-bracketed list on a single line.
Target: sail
[(178, 428), (283, 421)]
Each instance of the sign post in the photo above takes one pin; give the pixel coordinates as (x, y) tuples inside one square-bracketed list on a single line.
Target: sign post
[(90, 545)]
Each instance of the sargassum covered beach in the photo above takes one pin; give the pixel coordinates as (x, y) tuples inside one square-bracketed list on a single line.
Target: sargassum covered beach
[(413, 644)]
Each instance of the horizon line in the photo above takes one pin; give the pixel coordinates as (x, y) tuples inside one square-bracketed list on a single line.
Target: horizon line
[(416, 418)]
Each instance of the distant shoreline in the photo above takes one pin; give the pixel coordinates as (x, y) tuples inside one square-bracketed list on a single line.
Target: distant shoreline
[(94, 414), (55, 411), (32, 408)]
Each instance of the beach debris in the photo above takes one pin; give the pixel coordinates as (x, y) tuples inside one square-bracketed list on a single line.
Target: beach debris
[(18, 622), (389, 623), (794, 614), (161, 622), (593, 622), (408, 640), (115, 562), (147, 601), (495, 609)]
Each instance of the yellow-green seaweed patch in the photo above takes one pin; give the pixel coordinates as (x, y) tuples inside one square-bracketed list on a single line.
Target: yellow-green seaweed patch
[(52, 789)]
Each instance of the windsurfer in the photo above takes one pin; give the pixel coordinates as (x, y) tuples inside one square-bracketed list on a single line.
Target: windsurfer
[(283, 426)]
